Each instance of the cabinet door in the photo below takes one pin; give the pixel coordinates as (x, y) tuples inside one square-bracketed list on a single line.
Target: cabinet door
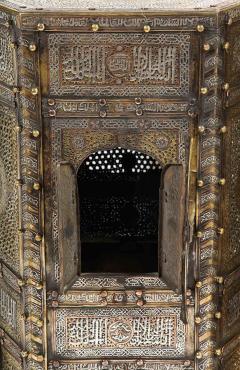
[(171, 228), (68, 224)]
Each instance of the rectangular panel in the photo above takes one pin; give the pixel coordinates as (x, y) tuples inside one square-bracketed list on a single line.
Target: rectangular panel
[(124, 364), (119, 64), (93, 333)]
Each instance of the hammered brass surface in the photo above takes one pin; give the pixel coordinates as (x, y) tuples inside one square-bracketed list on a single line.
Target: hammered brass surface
[(160, 78)]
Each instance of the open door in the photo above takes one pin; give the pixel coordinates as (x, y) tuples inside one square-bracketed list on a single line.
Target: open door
[(172, 194), (69, 234)]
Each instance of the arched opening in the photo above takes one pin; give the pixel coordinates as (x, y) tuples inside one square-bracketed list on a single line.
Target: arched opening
[(119, 212)]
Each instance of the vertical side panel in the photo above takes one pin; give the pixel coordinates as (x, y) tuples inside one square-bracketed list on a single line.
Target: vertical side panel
[(68, 224), (171, 230)]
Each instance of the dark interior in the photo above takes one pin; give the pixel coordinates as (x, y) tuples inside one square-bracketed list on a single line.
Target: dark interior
[(119, 212)]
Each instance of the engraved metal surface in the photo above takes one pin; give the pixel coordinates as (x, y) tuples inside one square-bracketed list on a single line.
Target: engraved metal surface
[(119, 65), (102, 133), (125, 364), (119, 332), (6, 57), (8, 190), (125, 4)]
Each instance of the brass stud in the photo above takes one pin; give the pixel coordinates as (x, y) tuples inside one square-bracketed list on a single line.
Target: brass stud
[(226, 46), (226, 86), (138, 101), (188, 293), (197, 320), (32, 47), (200, 183), (55, 303), (199, 355), (35, 133), (52, 113), (204, 90), (51, 102), (200, 28), (139, 362), (206, 46), (139, 293), (223, 129), (198, 284), (21, 283), (24, 354), (41, 27), (95, 27), (140, 303), (105, 363), (187, 363), (199, 234), (102, 113), (103, 293), (39, 286), (220, 230), (38, 237), (16, 90), (219, 279), (19, 182), (222, 182), (56, 364), (218, 352), (34, 91), (201, 129), (18, 128), (39, 323), (218, 315), (36, 186), (139, 112), (146, 28)]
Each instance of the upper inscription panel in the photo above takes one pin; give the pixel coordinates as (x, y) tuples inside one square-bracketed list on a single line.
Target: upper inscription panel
[(119, 65), (116, 4)]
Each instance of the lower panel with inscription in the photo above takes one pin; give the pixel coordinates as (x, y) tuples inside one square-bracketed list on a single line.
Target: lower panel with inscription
[(122, 365), (118, 332)]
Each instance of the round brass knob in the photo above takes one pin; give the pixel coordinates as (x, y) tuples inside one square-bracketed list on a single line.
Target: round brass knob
[(220, 230), (204, 90), (200, 28), (95, 27), (226, 46), (34, 91), (197, 320), (38, 237), (36, 186), (41, 27), (146, 28), (218, 352), (199, 284), (218, 315), (51, 102), (32, 47), (206, 46), (226, 86), (35, 133), (200, 183), (199, 234), (223, 129), (201, 129), (222, 182), (199, 355), (219, 279)]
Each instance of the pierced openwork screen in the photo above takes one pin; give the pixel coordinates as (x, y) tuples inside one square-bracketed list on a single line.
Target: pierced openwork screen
[(119, 212)]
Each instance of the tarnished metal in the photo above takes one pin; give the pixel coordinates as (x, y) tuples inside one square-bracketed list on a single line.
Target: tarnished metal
[(160, 78)]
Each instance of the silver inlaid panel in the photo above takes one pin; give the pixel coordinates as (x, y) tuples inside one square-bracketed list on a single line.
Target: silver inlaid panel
[(123, 4), (119, 64), (108, 332)]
